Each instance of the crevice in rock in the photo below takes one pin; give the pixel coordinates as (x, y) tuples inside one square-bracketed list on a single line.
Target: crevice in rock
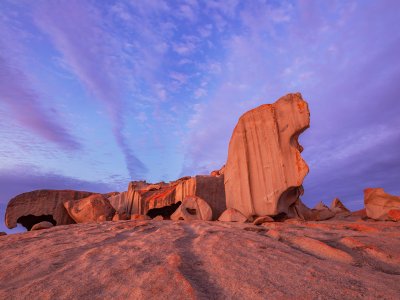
[(30, 220), (165, 211)]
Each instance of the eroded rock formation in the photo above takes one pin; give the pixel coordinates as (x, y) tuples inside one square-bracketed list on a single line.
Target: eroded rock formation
[(378, 203), (338, 207), (162, 198), (95, 208), (193, 208), (41, 205), (264, 172)]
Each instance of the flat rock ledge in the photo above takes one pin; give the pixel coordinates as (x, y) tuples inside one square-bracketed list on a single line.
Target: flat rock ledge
[(147, 259)]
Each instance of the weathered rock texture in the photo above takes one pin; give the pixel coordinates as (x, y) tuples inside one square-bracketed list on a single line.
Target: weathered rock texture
[(338, 207), (143, 197), (232, 215), (203, 260), (378, 203), (193, 208), (41, 205), (264, 172), (95, 208), (42, 225)]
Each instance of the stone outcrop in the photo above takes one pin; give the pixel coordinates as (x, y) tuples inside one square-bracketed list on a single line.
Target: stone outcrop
[(338, 207), (264, 172), (378, 203), (95, 208), (41, 205), (193, 208), (42, 225), (163, 198), (232, 215)]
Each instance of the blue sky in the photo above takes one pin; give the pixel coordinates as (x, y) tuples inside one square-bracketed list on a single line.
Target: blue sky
[(94, 94)]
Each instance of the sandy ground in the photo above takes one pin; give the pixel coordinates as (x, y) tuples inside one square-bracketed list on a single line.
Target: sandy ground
[(203, 260)]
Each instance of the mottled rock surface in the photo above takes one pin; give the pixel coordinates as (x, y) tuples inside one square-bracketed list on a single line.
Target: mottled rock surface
[(41, 203), (42, 225), (95, 208), (394, 215), (264, 172), (203, 260), (378, 203)]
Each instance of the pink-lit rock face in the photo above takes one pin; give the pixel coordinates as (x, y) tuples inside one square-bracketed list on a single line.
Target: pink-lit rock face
[(203, 260), (193, 208), (143, 197), (264, 172), (95, 208), (378, 203), (30, 208)]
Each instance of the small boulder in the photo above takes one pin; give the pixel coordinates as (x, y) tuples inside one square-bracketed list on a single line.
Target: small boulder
[(95, 208), (2, 233), (42, 225), (394, 215), (140, 217), (232, 215), (158, 218), (263, 219), (378, 203), (193, 208), (119, 216)]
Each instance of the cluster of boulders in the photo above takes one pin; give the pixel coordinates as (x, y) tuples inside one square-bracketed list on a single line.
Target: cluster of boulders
[(261, 182)]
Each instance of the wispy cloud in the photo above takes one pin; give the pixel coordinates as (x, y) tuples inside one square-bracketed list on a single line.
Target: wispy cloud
[(92, 54), (18, 93)]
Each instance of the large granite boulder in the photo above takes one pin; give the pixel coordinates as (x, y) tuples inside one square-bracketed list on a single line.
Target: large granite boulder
[(378, 203), (264, 172), (33, 207), (164, 198), (95, 208)]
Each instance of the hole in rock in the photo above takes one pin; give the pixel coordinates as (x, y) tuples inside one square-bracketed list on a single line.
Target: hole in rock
[(30, 220), (280, 217), (191, 211), (165, 211)]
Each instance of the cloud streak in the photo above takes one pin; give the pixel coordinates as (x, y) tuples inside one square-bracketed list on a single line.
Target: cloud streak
[(79, 34)]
